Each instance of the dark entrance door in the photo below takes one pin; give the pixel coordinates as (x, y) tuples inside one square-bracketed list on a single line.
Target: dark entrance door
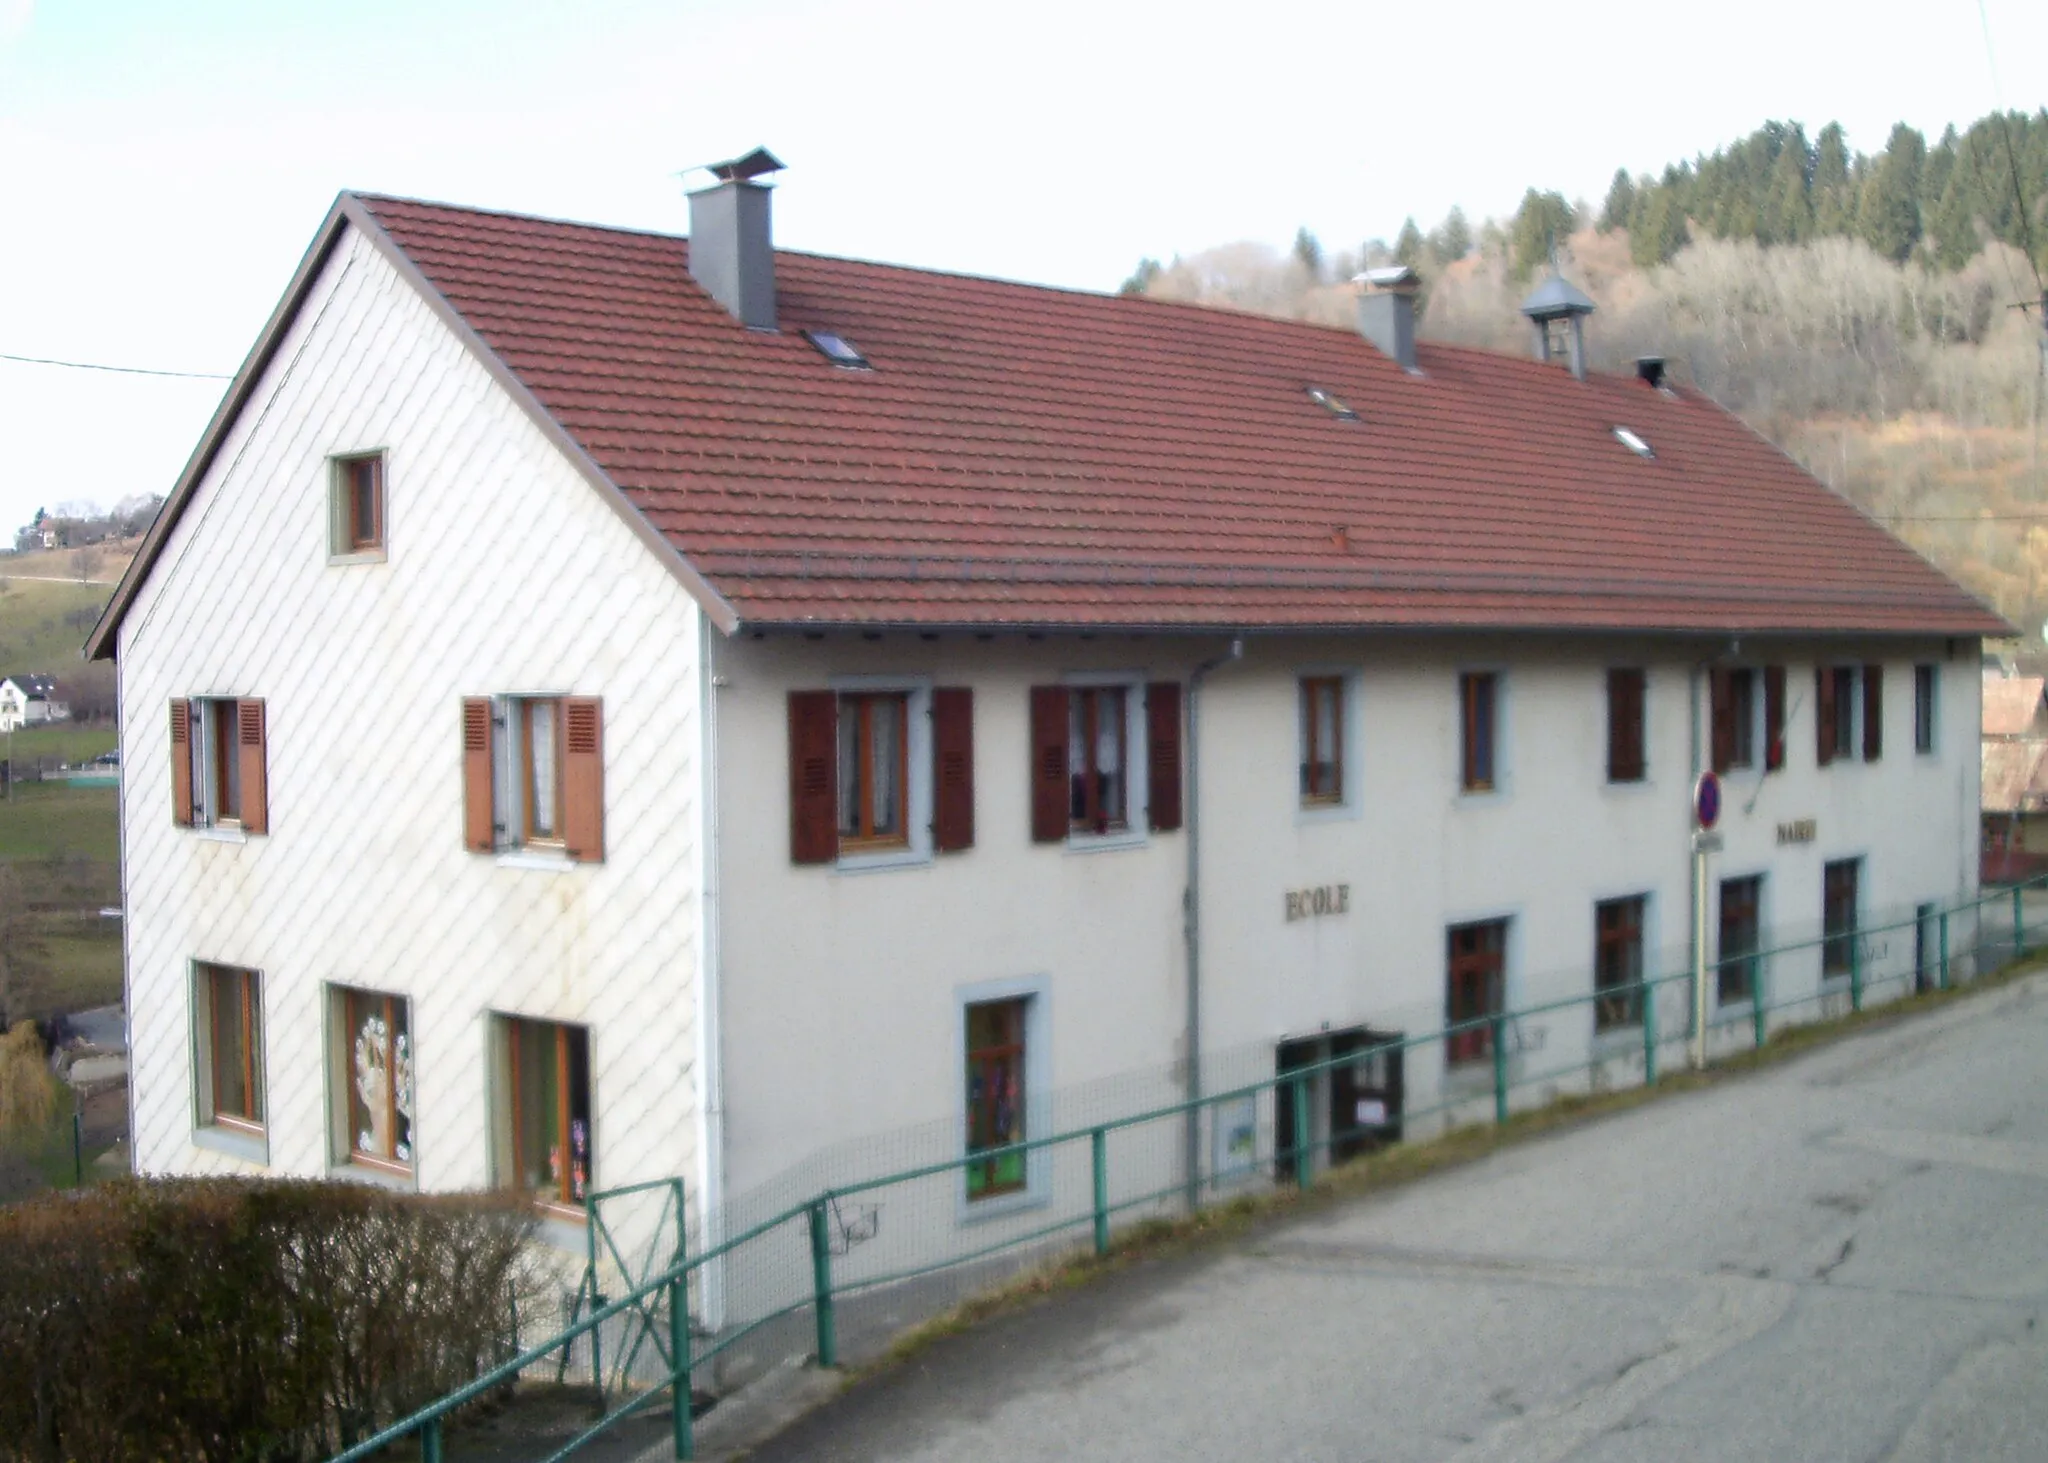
[(1354, 1106)]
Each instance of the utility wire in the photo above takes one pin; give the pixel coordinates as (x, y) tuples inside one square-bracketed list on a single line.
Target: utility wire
[(2019, 192), (118, 370)]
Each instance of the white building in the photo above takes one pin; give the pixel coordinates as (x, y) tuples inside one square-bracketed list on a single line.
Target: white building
[(30, 701), (809, 694)]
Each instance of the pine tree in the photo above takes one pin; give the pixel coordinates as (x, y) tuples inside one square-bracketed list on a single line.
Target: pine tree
[(1409, 247), (1833, 200), (1308, 252), (1141, 278), (1656, 230), (1621, 201), (1542, 223), (1451, 240), (1787, 214), (1888, 207), (1952, 226)]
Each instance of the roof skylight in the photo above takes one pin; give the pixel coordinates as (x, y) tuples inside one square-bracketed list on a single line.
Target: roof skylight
[(837, 350), (1331, 404), (1634, 443)]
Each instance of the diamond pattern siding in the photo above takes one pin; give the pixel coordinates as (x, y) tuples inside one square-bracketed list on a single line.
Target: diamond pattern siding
[(1022, 455), (505, 574)]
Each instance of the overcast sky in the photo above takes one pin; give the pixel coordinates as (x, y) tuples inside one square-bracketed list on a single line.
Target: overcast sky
[(164, 164)]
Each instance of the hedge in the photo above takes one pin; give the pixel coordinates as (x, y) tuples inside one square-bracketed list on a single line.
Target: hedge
[(241, 1321)]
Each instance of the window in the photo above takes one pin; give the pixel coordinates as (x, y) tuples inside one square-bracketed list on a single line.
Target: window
[(1625, 726), (838, 350), (358, 505), (533, 775), (375, 1079), (874, 770), (880, 771), (219, 764), (1923, 708), (1834, 712), (229, 1030), (1737, 962), (995, 1095), (1838, 916), (545, 1146), (1733, 708), (1618, 963), (1476, 698), (1322, 740), (1774, 718), (1476, 988), (1101, 749)]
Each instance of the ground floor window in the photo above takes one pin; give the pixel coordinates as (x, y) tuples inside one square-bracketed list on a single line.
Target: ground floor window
[(1838, 916), (1476, 987), (1735, 971), (1618, 963), (229, 1030), (375, 1071), (545, 1144), (995, 1094)]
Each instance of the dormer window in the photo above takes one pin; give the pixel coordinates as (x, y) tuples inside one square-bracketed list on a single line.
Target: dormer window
[(838, 350)]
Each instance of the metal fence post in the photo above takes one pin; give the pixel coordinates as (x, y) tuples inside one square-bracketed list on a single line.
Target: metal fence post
[(1500, 1069), (1649, 1034), (1304, 1150), (2019, 926), (821, 1284), (679, 1349), (1944, 949), (1759, 1013), (430, 1440), (1098, 1142), (1855, 970), (77, 1150)]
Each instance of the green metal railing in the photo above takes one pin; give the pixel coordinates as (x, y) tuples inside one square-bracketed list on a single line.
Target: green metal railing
[(656, 1303)]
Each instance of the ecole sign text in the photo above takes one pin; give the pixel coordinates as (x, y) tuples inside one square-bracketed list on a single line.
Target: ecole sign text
[(1315, 903)]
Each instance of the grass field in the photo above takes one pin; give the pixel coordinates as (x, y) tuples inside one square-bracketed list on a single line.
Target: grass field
[(65, 742), (54, 820), (58, 868), (43, 624)]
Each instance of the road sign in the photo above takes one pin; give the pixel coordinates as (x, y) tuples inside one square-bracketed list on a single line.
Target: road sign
[(1705, 842), (1706, 800)]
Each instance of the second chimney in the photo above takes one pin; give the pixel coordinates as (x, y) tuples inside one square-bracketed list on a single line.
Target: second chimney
[(1386, 312), (732, 252)]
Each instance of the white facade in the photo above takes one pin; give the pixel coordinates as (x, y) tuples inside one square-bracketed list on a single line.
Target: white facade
[(13, 707), (753, 1021)]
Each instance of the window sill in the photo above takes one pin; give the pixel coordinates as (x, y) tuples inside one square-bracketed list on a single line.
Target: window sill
[(544, 860), (1105, 842), (869, 861), (558, 1231), (222, 833), (402, 1180), (1307, 814), (1613, 1041), (979, 1211), (357, 556), (249, 1147), (1634, 787)]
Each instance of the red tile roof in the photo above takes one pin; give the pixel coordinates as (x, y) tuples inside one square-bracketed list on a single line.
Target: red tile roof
[(2012, 704), (1030, 456)]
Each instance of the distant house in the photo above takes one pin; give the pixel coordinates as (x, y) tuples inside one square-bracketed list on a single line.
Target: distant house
[(2013, 791), (30, 700), (13, 706)]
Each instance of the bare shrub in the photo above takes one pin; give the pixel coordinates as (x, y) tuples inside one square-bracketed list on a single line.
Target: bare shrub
[(28, 1093)]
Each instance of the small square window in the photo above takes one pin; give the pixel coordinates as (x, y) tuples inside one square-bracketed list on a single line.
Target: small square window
[(228, 1040), (1322, 741), (544, 1144), (374, 1079), (996, 1095), (358, 505)]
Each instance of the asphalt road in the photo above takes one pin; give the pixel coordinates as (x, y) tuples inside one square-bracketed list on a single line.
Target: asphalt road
[(1844, 1257)]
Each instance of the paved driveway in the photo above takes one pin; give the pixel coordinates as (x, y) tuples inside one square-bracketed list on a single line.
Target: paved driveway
[(1845, 1257)]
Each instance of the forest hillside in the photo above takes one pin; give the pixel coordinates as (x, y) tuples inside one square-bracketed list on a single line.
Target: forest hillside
[(1878, 316)]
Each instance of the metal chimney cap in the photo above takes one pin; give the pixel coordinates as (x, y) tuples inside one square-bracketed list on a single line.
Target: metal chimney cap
[(756, 164), (1395, 277), (1554, 299)]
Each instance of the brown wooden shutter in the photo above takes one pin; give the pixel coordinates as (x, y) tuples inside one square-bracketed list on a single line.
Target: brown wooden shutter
[(1624, 725), (1873, 712), (181, 763), (952, 768), (1774, 717), (813, 777), (1049, 793), (1823, 715), (583, 778), (1162, 719), (1722, 699), (252, 732), (477, 833)]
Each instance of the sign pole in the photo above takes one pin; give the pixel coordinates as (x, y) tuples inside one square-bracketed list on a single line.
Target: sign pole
[(1706, 812)]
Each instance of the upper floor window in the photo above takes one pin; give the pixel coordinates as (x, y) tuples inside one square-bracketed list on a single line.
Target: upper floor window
[(1732, 708), (1102, 751), (1625, 758), (228, 1047), (358, 504), (533, 774), (882, 769), (1923, 707), (1848, 700), (219, 764), (1322, 740), (1479, 729)]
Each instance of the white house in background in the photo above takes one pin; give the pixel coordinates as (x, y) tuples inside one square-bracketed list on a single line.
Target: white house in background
[(30, 701), (13, 706), (816, 699)]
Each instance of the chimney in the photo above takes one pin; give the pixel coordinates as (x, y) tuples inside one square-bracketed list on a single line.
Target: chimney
[(1650, 371), (1386, 312), (731, 252), (1556, 311)]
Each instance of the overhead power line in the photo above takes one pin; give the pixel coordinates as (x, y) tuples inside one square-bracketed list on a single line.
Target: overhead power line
[(117, 370)]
